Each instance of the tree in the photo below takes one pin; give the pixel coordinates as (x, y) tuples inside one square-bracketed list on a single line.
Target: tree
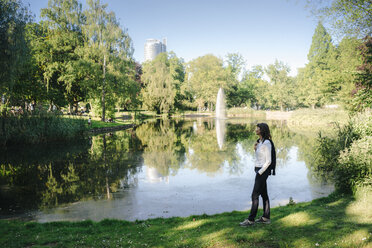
[(105, 44), (62, 38), (13, 45), (281, 88), (161, 80), (251, 88), (235, 63), (362, 95), (346, 17), (318, 81), (347, 62), (205, 76), (30, 87), (177, 67)]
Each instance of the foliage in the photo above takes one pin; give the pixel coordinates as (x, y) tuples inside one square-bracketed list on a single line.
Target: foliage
[(69, 57), (363, 82), (38, 128), (354, 168), (346, 17), (14, 18), (234, 66), (348, 154), (348, 60), (55, 52), (162, 80), (205, 75), (281, 87), (108, 67), (316, 79)]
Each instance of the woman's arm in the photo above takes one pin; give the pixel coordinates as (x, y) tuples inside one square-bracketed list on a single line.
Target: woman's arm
[(266, 148)]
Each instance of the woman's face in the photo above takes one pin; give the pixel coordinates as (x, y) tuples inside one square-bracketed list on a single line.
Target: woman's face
[(258, 131)]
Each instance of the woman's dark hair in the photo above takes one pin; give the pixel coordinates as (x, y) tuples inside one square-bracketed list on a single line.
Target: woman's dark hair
[(264, 130)]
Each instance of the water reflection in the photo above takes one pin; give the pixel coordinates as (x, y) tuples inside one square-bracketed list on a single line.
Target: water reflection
[(43, 177), (220, 132), (162, 168)]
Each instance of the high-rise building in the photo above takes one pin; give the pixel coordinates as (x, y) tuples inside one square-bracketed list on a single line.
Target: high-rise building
[(153, 47)]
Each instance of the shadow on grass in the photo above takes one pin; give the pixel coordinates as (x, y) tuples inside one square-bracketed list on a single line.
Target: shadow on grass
[(334, 221), (324, 222)]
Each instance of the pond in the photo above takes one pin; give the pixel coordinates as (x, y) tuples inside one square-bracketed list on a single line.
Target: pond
[(162, 168)]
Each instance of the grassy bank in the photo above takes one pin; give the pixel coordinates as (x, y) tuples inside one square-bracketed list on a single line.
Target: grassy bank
[(334, 221), (318, 117), (246, 112)]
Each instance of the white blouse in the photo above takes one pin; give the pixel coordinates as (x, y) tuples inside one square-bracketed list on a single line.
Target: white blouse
[(263, 155)]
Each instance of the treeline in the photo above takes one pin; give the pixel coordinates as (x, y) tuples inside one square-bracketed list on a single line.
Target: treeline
[(335, 74), (71, 56), (84, 56)]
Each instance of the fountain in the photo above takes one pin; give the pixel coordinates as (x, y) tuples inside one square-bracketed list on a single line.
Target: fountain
[(220, 132), (220, 118), (220, 105)]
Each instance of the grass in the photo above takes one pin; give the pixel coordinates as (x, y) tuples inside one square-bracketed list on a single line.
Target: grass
[(334, 221), (245, 112), (101, 124), (318, 117), (315, 120), (97, 123)]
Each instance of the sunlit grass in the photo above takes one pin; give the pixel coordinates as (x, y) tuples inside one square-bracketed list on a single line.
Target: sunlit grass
[(191, 224), (359, 238), (299, 219), (327, 222), (360, 210)]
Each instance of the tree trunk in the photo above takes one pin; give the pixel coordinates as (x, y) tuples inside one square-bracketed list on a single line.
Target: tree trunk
[(313, 106), (103, 89)]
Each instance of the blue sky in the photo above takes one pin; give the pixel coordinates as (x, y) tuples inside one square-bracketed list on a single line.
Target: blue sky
[(260, 30)]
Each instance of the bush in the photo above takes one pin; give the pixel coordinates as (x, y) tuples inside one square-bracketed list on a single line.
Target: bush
[(354, 168), (348, 155)]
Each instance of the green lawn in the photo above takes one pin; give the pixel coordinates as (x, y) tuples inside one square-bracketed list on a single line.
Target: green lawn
[(335, 221), (100, 124)]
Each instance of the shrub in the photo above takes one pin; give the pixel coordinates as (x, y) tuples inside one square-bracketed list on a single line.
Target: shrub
[(354, 168), (348, 155)]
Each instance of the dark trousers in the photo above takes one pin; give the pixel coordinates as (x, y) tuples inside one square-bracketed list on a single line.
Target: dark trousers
[(260, 188)]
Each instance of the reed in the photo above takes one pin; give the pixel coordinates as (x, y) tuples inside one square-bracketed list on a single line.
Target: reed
[(39, 128)]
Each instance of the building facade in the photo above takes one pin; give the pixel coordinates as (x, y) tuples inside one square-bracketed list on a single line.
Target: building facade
[(153, 47)]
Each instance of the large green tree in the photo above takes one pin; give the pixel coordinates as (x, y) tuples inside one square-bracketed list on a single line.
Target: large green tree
[(347, 62), (318, 81), (13, 45), (281, 85), (251, 89), (162, 80), (205, 75), (234, 66), (62, 37), (106, 45), (362, 95)]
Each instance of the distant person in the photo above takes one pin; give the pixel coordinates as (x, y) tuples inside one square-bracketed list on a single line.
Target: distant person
[(265, 162), (89, 121)]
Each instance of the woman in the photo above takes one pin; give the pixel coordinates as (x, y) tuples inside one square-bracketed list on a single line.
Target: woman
[(263, 153)]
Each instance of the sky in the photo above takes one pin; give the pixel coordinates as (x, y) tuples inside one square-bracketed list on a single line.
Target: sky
[(260, 30)]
